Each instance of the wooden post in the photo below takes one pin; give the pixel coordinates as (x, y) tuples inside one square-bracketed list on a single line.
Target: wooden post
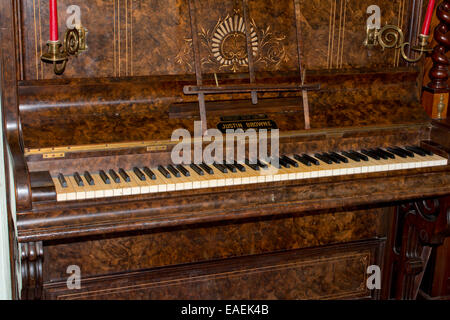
[(435, 96)]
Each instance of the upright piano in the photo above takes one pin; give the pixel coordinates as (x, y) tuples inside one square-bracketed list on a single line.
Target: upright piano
[(356, 184)]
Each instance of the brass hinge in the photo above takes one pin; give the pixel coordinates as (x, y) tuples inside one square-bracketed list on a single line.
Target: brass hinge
[(156, 148), (53, 155)]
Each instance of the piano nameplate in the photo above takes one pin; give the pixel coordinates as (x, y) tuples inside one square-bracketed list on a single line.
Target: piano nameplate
[(245, 125)]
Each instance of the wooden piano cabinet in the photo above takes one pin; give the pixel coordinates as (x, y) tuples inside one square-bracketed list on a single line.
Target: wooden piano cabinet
[(118, 103)]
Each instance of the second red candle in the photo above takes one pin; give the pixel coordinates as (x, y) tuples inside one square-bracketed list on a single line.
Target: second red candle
[(54, 20)]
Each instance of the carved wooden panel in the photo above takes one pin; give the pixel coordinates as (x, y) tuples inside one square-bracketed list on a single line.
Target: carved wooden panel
[(337, 272), (31, 260), (108, 255), (136, 38)]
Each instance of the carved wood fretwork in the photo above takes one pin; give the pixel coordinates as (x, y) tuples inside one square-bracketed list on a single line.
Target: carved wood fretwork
[(419, 224), (32, 256)]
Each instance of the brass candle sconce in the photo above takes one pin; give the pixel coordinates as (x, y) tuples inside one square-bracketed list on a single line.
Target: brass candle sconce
[(391, 36), (58, 53)]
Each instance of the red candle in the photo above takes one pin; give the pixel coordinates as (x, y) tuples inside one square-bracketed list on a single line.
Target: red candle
[(428, 16), (53, 21)]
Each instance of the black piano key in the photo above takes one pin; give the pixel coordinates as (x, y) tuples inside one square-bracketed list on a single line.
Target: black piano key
[(114, 176), (262, 164), (78, 179), (340, 157), (408, 153), (363, 157), (230, 167), (311, 159), (351, 156), (149, 173), (62, 180), (164, 172), (428, 152), (252, 166), (104, 177), (416, 151), (323, 158), (290, 161), (332, 158), (397, 152), (257, 162), (274, 164), (302, 160), (174, 171), (387, 154), (284, 163), (220, 167), (197, 169), (89, 178), (370, 154), (379, 153), (240, 167), (139, 173), (185, 172), (124, 175), (207, 168)]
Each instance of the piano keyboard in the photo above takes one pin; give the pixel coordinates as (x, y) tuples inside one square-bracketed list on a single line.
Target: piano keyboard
[(116, 183)]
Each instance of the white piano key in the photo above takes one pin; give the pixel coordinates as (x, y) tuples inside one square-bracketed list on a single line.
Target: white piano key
[(80, 192)]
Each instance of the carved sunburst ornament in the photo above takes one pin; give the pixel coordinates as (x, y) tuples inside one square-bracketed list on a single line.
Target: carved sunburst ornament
[(229, 44), (226, 44)]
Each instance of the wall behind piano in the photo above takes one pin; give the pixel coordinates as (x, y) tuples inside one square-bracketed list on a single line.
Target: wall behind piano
[(153, 37), (5, 274)]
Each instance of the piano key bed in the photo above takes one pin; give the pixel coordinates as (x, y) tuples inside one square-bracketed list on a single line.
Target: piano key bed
[(166, 178)]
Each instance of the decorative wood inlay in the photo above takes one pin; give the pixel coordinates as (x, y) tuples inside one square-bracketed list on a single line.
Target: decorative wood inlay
[(41, 42), (331, 32), (400, 21), (114, 41), (36, 40), (363, 258), (123, 38)]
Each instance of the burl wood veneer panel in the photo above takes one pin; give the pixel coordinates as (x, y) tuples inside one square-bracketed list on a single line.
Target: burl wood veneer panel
[(113, 110), (195, 244), (135, 37), (336, 272)]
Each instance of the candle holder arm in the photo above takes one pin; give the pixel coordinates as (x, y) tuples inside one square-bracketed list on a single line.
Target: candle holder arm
[(58, 53), (392, 37)]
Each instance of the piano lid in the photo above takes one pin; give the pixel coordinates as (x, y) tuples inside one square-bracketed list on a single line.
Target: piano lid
[(138, 87)]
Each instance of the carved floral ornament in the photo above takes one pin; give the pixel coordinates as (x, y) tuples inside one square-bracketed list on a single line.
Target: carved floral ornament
[(227, 46)]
